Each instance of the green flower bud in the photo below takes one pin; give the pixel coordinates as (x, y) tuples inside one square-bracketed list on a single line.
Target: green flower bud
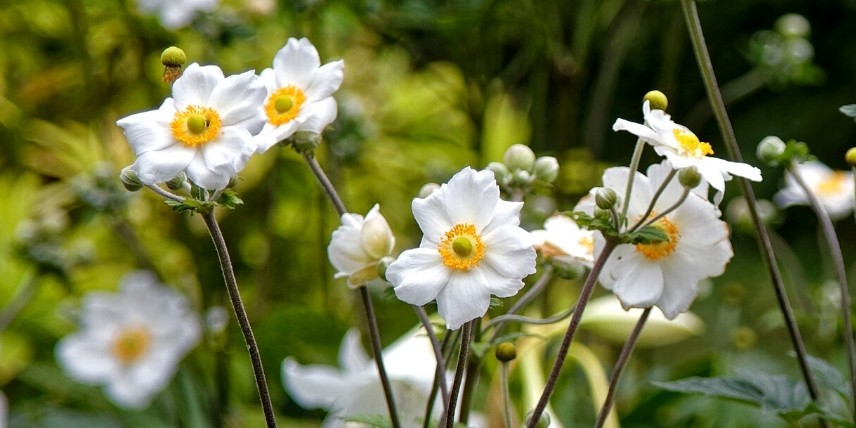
[(500, 172), (793, 25), (546, 168), (427, 190), (522, 177), (173, 57), (505, 352), (605, 198), (689, 177), (130, 179), (177, 182), (519, 156), (305, 142), (543, 421), (850, 156), (657, 100), (770, 149)]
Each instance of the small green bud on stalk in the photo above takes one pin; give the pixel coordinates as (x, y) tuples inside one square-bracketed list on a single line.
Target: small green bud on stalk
[(657, 100), (172, 58), (605, 198), (770, 149), (505, 352), (130, 179), (546, 168), (689, 177), (519, 156), (177, 182), (543, 421), (851, 156)]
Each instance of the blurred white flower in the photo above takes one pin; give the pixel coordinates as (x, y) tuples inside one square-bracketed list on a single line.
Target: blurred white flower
[(358, 244), (130, 342), (606, 318), (683, 149), (175, 14), (472, 247), (564, 241), (665, 274), (834, 189), (206, 130), (299, 93), (354, 388)]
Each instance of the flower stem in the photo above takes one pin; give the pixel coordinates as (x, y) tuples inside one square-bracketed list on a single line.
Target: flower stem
[(325, 183), (466, 335), (438, 353), (838, 260), (706, 69), (623, 357), (164, 193), (442, 372), (585, 294), (241, 315), (534, 291), (506, 399), (634, 165), (654, 199)]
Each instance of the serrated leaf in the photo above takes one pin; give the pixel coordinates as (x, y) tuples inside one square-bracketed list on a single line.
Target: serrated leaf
[(849, 110), (776, 393), (830, 376), (229, 199), (377, 421)]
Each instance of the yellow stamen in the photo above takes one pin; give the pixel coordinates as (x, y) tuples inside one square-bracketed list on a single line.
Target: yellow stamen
[(461, 247), (832, 184), (659, 250), (131, 344), (284, 105), (587, 242), (691, 144), (196, 125)]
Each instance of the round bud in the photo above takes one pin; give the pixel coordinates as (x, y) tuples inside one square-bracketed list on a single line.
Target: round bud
[(519, 156), (689, 177), (770, 149), (177, 182), (505, 352), (657, 99), (305, 142), (850, 156), (546, 168), (173, 57), (427, 190), (605, 198), (130, 179), (543, 421), (500, 172), (793, 25), (522, 177)]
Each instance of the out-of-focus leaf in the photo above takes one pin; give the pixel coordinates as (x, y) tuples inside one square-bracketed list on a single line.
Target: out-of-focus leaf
[(776, 393)]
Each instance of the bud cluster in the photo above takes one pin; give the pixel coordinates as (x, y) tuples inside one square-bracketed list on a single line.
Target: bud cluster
[(521, 169)]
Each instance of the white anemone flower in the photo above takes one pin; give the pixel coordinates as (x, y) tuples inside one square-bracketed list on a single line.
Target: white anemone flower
[(472, 247), (359, 244), (130, 342), (174, 14), (564, 241), (665, 274), (833, 188), (205, 130), (300, 93), (354, 388), (683, 149)]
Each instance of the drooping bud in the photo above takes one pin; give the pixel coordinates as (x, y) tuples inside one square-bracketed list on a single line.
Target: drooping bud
[(605, 198), (770, 149), (546, 168), (177, 182), (657, 99), (428, 189), (519, 156), (543, 421), (689, 177), (850, 156), (130, 179), (172, 58), (505, 352)]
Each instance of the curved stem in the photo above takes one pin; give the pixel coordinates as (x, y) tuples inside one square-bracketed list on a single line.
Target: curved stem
[(634, 165), (706, 69), (533, 292), (164, 193), (623, 357), (666, 211), (585, 294), (654, 199), (438, 353), (241, 315), (466, 334), (325, 183)]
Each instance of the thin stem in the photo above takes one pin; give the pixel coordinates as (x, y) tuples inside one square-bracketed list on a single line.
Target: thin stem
[(706, 69), (585, 294), (472, 379), (838, 261), (537, 321), (466, 334), (623, 357), (157, 189), (430, 405), (325, 183), (654, 199), (241, 315), (438, 353), (634, 165), (506, 399), (534, 291), (376, 349), (665, 212)]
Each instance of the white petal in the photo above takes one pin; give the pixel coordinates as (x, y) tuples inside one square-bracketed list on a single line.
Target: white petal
[(470, 197), (430, 214), (509, 251), (645, 133), (149, 130), (316, 116), (326, 80), (418, 276), (352, 356), (295, 63), (312, 385), (230, 152), (346, 251), (736, 168), (195, 85), (637, 283), (271, 135), (464, 299), (240, 101), (496, 283), (158, 166), (85, 360)]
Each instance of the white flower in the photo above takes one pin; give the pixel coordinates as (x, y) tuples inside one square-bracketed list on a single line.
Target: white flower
[(664, 274), (834, 189), (175, 14), (355, 389), (683, 149), (606, 318), (472, 247), (358, 244), (205, 130), (562, 240), (130, 342), (300, 93)]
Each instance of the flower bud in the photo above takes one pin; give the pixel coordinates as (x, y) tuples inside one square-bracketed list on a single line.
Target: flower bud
[(500, 172), (543, 421), (689, 177), (850, 156), (177, 182), (130, 179), (383, 265), (428, 189), (305, 142), (546, 168), (519, 156), (793, 25), (605, 198), (657, 100), (522, 177), (505, 352), (173, 59), (770, 149)]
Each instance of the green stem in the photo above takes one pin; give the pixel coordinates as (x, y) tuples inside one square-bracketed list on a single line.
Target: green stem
[(706, 69), (241, 315), (466, 334), (634, 165), (506, 399), (438, 352), (654, 199), (534, 291)]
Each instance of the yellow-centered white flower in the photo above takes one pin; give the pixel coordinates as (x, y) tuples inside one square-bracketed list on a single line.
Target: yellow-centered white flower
[(833, 188), (683, 149), (472, 247), (359, 244), (664, 274), (130, 342), (564, 241)]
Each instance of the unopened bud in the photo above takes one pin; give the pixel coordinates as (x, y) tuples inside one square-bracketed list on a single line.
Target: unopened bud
[(522, 177), (500, 172), (427, 190), (657, 100), (605, 198), (770, 149), (505, 352), (543, 420), (850, 157), (519, 156), (689, 177), (177, 182), (383, 265), (173, 59), (130, 179), (793, 25), (305, 142), (546, 168)]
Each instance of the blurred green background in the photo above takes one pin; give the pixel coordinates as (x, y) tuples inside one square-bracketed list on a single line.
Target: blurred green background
[(430, 87)]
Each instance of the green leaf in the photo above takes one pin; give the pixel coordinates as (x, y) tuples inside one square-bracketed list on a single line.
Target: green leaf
[(229, 199), (377, 421), (776, 393), (849, 110), (830, 376), (648, 235)]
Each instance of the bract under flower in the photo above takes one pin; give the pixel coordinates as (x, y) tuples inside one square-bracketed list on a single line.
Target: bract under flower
[(834, 189), (472, 247), (205, 130), (130, 342), (358, 244), (564, 241), (299, 93)]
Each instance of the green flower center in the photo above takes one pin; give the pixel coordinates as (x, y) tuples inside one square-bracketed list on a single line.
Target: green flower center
[(462, 246), (196, 124), (283, 104)]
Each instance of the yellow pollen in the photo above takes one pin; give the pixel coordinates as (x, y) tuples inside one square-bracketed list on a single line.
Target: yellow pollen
[(461, 247), (587, 242), (284, 105), (659, 250), (195, 126), (833, 184), (691, 144), (131, 344)]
